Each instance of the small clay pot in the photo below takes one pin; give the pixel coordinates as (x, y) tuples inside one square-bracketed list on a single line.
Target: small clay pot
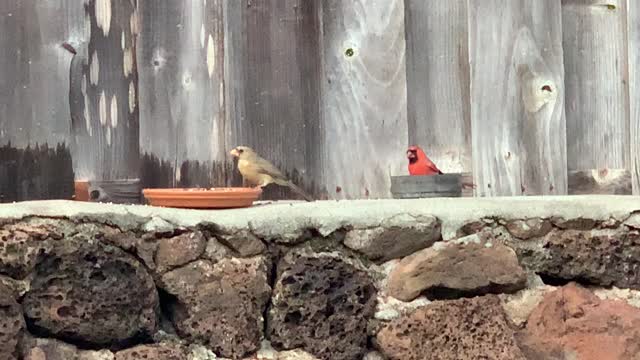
[(214, 198), (81, 191)]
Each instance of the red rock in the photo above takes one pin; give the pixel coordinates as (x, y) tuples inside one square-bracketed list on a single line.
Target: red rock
[(572, 321), (474, 328)]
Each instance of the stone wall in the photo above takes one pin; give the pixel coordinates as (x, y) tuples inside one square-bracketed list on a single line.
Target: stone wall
[(362, 280)]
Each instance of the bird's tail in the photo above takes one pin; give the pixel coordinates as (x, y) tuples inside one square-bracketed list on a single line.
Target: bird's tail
[(299, 191)]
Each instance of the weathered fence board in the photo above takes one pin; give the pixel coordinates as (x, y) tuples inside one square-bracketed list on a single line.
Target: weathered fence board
[(182, 121), (106, 113), (438, 81), (633, 22), (274, 80), (35, 125), (596, 92), (364, 96), (517, 113)]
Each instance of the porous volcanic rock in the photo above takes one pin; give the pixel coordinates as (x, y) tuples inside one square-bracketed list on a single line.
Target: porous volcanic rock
[(604, 257), (475, 328), (154, 352), (220, 305), (321, 304), (92, 294), (395, 237), (22, 243), (529, 228), (179, 250), (572, 322), (473, 265), (51, 349), (244, 243), (11, 324)]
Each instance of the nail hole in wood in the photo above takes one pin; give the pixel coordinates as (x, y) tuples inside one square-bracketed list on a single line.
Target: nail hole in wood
[(349, 52), (547, 88)]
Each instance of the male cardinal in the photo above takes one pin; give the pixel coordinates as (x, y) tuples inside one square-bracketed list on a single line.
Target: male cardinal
[(260, 172), (419, 163)]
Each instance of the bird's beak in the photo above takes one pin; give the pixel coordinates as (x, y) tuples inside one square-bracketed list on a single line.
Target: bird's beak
[(410, 155), (234, 152)]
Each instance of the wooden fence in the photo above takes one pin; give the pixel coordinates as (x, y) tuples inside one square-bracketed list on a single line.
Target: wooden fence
[(528, 96)]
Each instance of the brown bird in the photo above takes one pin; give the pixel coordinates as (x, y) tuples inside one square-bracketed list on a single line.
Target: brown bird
[(260, 172)]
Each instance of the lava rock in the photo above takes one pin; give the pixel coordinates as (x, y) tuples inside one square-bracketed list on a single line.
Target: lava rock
[(152, 352), (215, 251), (394, 238), (475, 328), (220, 305), (92, 295), (574, 224), (11, 323), (179, 250), (473, 265), (50, 349), (21, 245), (572, 322), (321, 304), (529, 228), (603, 257), (244, 243)]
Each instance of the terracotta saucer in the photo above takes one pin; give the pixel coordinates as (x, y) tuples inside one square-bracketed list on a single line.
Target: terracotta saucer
[(214, 198)]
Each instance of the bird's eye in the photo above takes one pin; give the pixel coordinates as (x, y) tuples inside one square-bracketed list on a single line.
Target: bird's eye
[(240, 151)]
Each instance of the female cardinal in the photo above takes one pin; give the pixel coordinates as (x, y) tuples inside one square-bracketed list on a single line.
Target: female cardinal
[(419, 163), (260, 172)]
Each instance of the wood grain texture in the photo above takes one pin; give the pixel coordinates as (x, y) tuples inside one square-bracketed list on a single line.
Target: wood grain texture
[(597, 106), (604, 182), (364, 96), (273, 77), (105, 107), (34, 70), (438, 81), (35, 173), (633, 25), (517, 109), (182, 94)]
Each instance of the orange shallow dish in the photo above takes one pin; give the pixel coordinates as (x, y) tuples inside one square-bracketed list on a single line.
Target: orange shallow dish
[(214, 198)]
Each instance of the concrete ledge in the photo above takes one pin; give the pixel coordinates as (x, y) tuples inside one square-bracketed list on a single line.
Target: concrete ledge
[(291, 219)]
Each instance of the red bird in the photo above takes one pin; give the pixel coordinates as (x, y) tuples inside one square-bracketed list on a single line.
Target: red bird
[(419, 163)]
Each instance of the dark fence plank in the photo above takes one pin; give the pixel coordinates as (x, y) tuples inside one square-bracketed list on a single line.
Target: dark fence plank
[(364, 96), (438, 81), (517, 109), (182, 93), (597, 102), (35, 160), (273, 79)]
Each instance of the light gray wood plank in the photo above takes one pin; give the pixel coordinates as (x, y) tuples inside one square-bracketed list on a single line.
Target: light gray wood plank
[(633, 22), (596, 91), (364, 96), (182, 94), (438, 81), (273, 80), (517, 110), (106, 128)]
